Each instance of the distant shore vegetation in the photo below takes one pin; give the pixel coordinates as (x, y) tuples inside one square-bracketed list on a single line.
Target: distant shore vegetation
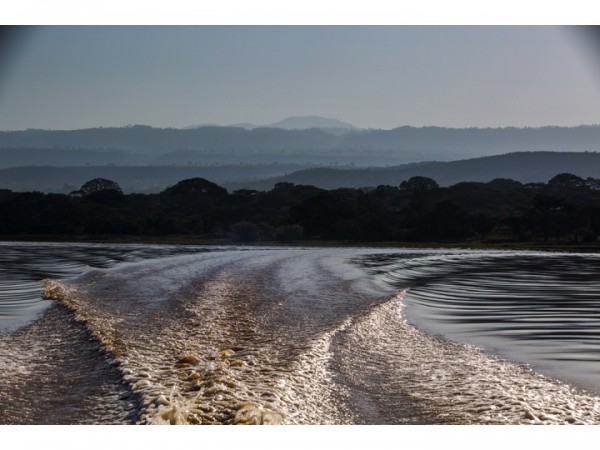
[(565, 210)]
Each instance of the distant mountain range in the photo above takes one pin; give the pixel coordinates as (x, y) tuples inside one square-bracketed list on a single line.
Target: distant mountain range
[(526, 167), (146, 159), (306, 122), (143, 145), (298, 123)]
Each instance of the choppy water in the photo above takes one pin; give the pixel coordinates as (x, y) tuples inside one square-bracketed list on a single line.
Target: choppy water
[(23, 265), (305, 336)]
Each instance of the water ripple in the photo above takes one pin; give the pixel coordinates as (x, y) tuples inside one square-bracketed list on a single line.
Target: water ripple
[(533, 307), (23, 265)]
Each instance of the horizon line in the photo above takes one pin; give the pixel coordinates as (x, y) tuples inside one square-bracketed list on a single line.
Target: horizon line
[(350, 130)]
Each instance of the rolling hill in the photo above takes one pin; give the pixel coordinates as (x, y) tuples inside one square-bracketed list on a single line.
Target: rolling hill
[(526, 167), (375, 147)]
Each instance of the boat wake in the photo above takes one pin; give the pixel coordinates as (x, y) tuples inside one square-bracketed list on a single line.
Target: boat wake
[(261, 337)]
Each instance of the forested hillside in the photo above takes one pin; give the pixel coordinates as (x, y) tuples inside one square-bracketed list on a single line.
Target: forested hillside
[(530, 167), (522, 167), (564, 210)]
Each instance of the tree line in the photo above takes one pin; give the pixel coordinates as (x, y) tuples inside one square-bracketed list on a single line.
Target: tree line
[(566, 209)]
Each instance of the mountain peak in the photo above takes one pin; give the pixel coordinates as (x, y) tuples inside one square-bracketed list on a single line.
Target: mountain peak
[(304, 122)]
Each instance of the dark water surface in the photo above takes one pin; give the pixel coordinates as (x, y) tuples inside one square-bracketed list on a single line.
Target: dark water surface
[(537, 308), (23, 265), (138, 334)]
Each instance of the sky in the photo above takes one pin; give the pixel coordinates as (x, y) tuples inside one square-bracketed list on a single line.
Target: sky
[(71, 77)]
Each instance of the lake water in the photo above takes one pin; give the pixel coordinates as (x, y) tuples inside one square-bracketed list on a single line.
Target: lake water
[(172, 334)]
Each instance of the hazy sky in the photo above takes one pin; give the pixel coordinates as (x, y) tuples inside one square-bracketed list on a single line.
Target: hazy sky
[(371, 76)]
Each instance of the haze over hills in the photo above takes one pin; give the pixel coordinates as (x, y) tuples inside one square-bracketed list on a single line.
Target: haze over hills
[(305, 122), (147, 159), (524, 167), (142, 179), (295, 123), (144, 145), (530, 167)]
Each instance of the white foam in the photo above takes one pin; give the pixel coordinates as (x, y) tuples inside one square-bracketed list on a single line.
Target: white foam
[(457, 383)]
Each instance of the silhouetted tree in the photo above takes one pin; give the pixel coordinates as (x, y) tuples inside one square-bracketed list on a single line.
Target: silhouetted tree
[(567, 180), (418, 185), (193, 187), (99, 185)]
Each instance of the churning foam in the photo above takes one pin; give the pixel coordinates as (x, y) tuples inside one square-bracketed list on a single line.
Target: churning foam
[(232, 344), (454, 383)]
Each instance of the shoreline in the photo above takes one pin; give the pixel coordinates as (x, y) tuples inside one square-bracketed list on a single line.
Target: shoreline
[(192, 240)]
